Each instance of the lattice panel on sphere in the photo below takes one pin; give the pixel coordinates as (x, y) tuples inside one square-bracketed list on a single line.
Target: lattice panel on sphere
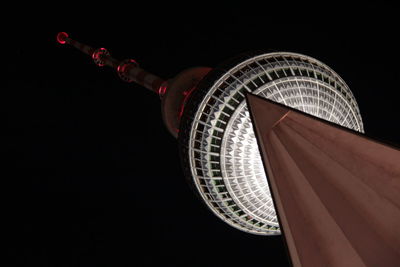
[(222, 149)]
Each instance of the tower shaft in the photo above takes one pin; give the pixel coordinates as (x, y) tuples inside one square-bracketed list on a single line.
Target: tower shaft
[(337, 193)]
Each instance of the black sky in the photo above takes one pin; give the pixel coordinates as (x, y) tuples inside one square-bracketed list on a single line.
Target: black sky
[(92, 177)]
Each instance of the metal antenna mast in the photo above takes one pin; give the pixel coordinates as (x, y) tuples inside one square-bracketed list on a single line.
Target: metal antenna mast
[(128, 69), (173, 92)]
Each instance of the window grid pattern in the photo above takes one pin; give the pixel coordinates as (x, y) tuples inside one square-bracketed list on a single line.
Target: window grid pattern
[(224, 156)]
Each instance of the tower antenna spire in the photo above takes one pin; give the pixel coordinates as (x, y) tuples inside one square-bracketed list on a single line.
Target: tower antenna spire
[(128, 69), (174, 92)]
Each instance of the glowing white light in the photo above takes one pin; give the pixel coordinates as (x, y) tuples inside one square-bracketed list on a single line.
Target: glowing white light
[(223, 154)]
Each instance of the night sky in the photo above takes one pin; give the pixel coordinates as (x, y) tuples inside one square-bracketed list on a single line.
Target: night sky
[(91, 175)]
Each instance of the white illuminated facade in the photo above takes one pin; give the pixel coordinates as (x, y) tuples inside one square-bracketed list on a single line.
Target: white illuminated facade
[(221, 149)]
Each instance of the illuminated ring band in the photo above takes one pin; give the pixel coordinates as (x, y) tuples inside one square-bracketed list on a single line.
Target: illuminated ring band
[(218, 149), (99, 55), (124, 67)]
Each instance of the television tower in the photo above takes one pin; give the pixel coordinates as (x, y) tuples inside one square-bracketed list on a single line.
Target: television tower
[(206, 110), (336, 191)]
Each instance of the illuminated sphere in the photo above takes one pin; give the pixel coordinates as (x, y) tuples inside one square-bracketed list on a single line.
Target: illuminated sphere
[(218, 147)]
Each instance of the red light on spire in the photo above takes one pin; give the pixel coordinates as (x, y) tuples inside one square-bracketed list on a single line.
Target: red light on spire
[(124, 67), (99, 55), (62, 37), (162, 89), (186, 95)]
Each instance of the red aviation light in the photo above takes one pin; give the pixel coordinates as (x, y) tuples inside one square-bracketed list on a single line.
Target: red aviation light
[(124, 68), (163, 89), (62, 37), (185, 98), (124, 65), (99, 56)]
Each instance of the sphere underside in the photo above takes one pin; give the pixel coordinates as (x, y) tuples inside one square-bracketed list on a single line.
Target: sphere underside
[(218, 147)]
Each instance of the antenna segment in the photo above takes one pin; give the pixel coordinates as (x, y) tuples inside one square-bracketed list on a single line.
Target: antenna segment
[(128, 69), (174, 93)]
